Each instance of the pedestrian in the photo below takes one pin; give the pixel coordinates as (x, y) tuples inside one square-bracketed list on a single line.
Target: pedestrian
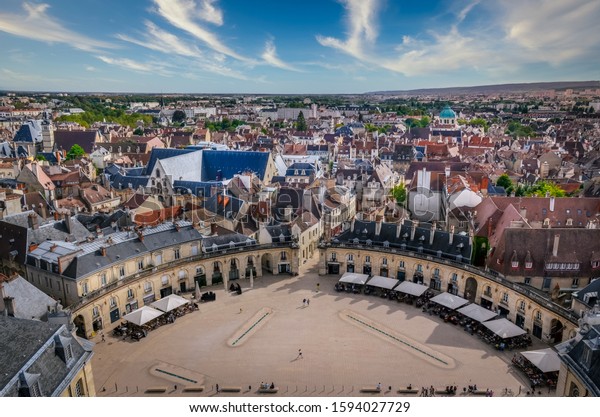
[(103, 338), (379, 386), (175, 387), (299, 353), (318, 286), (303, 302), (217, 387), (240, 310)]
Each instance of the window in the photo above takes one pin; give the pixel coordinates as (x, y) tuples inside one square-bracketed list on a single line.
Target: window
[(527, 280), (79, 388), (113, 302), (419, 268), (147, 287), (514, 264), (596, 264), (350, 258), (35, 390), (505, 297), (194, 250), (522, 305), (158, 258), (384, 261), (84, 288), (129, 294), (164, 280), (122, 271), (367, 259), (401, 264), (454, 277), (199, 270), (103, 280), (538, 316), (68, 353), (569, 222), (283, 256), (333, 256), (436, 272), (140, 264), (575, 282), (95, 312), (176, 253), (488, 291), (576, 266), (528, 265)]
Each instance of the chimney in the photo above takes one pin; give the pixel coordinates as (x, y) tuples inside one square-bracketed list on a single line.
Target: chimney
[(378, 227), (451, 235), (213, 229), (99, 232), (43, 211), (140, 235), (32, 221), (555, 246), (56, 215), (413, 229), (68, 224), (551, 203), (103, 251), (484, 185), (352, 225), (2, 304), (432, 234), (398, 230), (307, 200)]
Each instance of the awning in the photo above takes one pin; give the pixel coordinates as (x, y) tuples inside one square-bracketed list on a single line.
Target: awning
[(170, 302), (143, 315), (504, 328), (352, 278), (382, 282), (546, 360), (449, 300), (477, 313), (411, 288)]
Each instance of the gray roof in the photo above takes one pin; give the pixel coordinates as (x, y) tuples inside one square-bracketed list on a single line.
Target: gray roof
[(30, 302), (26, 347)]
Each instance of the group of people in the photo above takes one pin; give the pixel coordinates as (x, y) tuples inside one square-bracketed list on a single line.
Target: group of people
[(235, 288), (264, 385)]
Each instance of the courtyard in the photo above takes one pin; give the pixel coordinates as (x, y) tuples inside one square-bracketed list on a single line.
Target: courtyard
[(348, 342)]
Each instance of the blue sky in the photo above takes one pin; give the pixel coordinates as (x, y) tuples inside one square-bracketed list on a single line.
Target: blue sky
[(282, 46)]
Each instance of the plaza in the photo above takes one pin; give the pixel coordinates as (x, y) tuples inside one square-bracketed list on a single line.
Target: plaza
[(348, 342)]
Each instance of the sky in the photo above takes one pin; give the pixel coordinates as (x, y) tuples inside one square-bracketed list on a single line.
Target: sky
[(300, 47)]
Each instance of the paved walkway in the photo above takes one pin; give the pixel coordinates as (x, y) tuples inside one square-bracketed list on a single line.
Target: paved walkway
[(270, 324)]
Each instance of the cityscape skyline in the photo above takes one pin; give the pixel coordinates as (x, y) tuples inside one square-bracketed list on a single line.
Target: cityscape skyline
[(334, 47)]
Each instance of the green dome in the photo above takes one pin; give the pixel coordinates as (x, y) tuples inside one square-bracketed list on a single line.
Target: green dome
[(447, 113)]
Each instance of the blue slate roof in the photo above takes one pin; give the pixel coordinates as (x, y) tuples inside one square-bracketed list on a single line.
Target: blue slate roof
[(228, 163), (495, 190), (50, 157), (30, 131), (300, 166), (121, 182), (164, 153), (215, 205), (198, 188)]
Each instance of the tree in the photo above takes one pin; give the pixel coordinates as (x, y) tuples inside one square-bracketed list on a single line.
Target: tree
[(505, 182), (138, 131), (75, 152), (178, 116), (399, 193), (300, 122), (541, 188), (40, 158)]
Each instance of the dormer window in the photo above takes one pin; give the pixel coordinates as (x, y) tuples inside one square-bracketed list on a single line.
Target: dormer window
[(29, 385), (546, 222), (528, 265), (514, 264), (569, 222)]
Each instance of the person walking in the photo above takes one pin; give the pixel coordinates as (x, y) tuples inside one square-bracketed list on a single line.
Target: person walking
[(299, 354), (318, 286)]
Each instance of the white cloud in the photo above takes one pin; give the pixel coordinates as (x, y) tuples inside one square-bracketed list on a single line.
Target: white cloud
[(38, 25), (362, 28), (181, 13), (271, 58), (90, 68), (160, 40), (551, 31), (209, 13), (144, 67)]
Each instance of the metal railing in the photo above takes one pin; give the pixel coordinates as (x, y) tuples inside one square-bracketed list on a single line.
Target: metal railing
[(489, 274)]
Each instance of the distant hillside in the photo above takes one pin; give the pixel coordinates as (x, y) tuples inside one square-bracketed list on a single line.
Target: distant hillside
[(498, 88)]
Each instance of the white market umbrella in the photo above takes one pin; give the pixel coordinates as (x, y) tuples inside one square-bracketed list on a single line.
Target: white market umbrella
[(143, 315), (382, 282), (353, 278), (504, 328), (546, 360), (477, 313), (449, 300), (411, 288), (170, 302)]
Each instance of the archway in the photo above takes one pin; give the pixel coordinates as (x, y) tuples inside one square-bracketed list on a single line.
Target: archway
[(470, 289), (556, 331), (267, 262), (250, 267), (217, 276), (79, 323), (234, 272), (200, 277), (182, 279)]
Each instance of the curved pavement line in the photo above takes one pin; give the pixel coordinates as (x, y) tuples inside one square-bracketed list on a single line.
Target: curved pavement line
[(250, 327), (400, 340)]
